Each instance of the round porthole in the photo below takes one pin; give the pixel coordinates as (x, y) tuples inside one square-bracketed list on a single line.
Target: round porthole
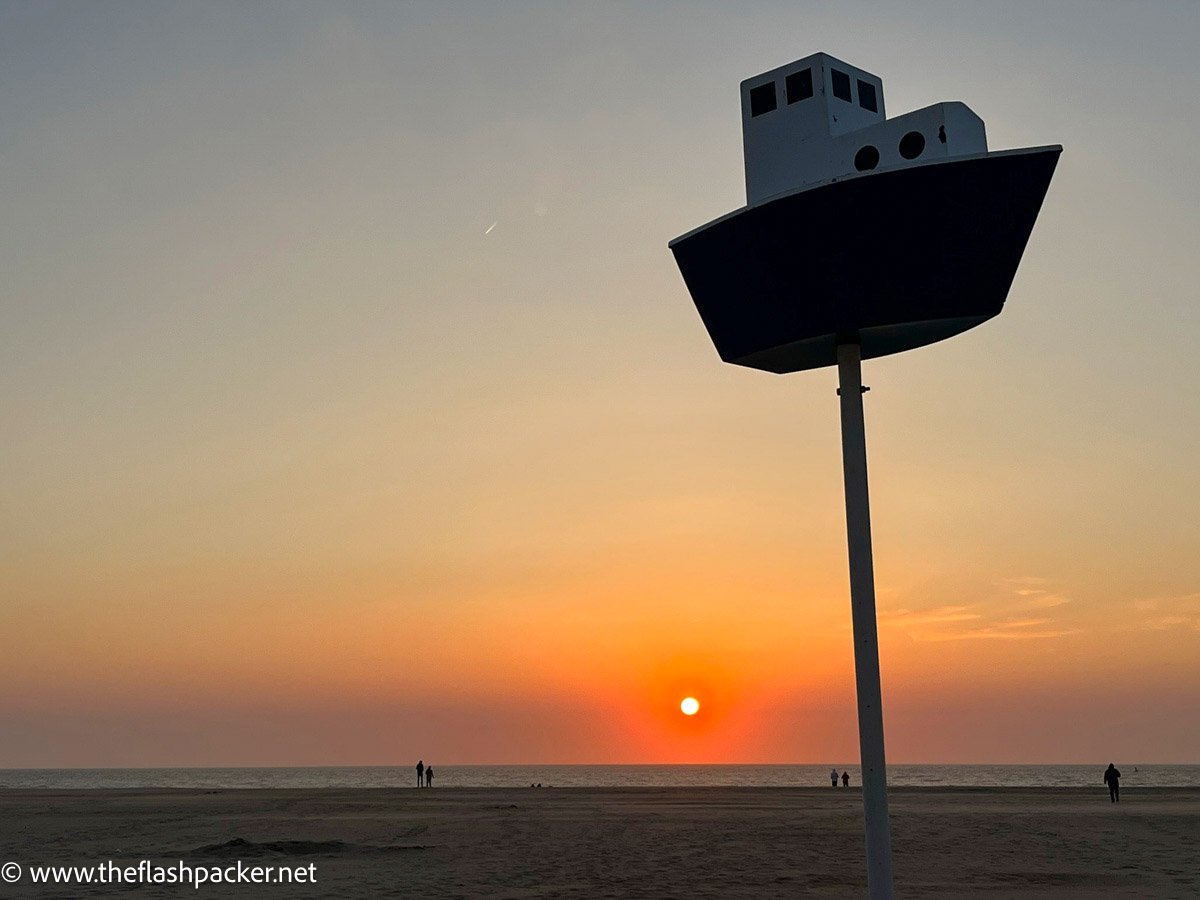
[(912, 145), (866, 158)]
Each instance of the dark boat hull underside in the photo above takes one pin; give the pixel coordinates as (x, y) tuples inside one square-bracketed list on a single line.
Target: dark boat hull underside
[(891, 260)]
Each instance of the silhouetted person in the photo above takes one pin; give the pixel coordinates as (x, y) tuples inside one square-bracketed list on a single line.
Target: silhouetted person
[(420, 771), (1112, 777), (429, 776), (833, 776), (845, 779)]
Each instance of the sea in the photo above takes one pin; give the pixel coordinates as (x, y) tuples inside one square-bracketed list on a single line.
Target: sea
[(451, 776)]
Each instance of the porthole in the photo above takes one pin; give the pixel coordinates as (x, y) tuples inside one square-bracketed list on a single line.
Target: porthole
[(866, 158), (912, 145)]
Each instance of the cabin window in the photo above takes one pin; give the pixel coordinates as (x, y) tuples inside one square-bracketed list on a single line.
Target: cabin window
[(912, 145), (762, 99), (841, 85), (799, 86), (866, 96)]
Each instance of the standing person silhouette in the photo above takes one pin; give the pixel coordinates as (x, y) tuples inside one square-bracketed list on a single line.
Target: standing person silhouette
[(420, 771), (1112, 777), (833, 777), (846, 779), (429, 776)]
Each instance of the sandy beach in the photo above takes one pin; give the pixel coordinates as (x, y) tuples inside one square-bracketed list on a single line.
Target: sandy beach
[(596, 843)]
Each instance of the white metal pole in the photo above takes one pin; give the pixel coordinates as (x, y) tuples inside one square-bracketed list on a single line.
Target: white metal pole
[(866, 634)]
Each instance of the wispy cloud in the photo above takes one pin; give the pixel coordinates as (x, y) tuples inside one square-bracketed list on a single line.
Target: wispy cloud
[(1014, 609), (931, 625), (930, 616), (999, 633), (1169, 613), (1046, 600), (1034, 594)]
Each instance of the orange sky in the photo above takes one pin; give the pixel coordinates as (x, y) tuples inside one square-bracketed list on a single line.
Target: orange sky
[(303, 467)]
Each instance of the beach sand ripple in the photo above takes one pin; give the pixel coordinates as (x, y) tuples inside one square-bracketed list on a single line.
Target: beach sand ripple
[(620, 842)]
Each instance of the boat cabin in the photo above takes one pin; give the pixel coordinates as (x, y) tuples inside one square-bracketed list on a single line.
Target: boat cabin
[(818, 119)]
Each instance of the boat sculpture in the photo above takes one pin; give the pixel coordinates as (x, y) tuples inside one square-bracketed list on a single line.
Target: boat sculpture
[(887, 233)]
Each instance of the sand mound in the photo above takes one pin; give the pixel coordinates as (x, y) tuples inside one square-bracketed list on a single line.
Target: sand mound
[(240, 848)]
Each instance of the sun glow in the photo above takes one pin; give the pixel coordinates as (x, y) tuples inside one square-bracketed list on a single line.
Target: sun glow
[(690, 706)]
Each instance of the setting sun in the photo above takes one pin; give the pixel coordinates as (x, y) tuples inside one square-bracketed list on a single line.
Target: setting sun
[(690, 706)]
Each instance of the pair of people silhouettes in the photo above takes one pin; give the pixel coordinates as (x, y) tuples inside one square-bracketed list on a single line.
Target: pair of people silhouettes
[(833, 778), (426, 772)]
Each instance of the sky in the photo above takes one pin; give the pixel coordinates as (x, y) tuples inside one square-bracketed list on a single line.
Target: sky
[(354, 409)]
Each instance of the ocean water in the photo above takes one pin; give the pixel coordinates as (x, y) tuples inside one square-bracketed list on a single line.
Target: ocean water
[(447, 776)]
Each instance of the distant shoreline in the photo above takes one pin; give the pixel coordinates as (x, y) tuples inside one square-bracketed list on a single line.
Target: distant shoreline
[(1127, 792), (900, 777)]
